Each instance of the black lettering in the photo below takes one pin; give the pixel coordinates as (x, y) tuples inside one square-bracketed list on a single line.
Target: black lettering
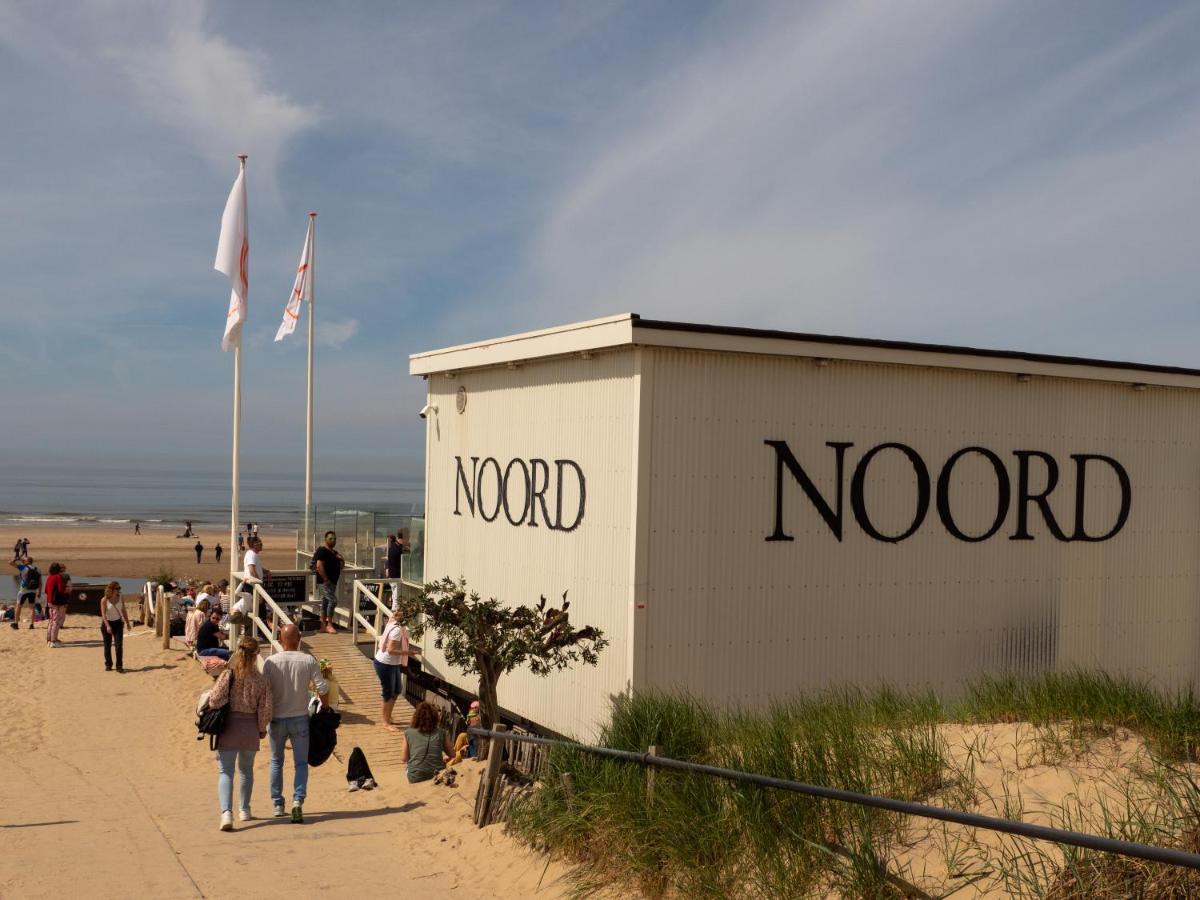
[(558, 465), (1003, 494), (785, 457), (538, 494), (1024, 497), (525, 497), (858, 501), (1081, 461), (499, 490), (461, 481)]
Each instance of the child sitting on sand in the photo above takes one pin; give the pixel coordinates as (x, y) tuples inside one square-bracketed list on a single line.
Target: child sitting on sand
[(331, 679)]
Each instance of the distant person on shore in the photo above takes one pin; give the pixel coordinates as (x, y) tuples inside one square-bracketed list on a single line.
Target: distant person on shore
[(328, 563), (209, 637), (58, 592), (290, 674), (113, 622), (199, 548), (426, 745), (218, 551), (254, 529), (137, 527), (29, 587), (241, 542), (251, 706), (20, 549), (391, 657)]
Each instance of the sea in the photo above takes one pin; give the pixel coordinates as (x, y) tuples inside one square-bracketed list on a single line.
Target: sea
[(113, 492)]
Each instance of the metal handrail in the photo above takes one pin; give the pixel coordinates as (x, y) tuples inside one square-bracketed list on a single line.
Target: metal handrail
[(1149, 852)]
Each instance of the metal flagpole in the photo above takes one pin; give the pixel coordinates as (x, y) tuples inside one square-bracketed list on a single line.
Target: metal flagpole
[(309, 537), (237, 454)]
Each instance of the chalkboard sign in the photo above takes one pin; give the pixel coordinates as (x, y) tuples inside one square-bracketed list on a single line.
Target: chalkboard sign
[(287, 590)]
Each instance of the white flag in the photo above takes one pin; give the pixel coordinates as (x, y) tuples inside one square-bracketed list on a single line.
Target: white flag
[(301, 290), (233, 248)]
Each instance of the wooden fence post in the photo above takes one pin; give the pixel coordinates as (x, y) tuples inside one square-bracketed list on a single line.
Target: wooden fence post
[(650, 773), (491, 777), (568, 783), (164, 613)]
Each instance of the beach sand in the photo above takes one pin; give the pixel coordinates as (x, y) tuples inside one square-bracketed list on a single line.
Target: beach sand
[(101, 551), (105, 793)]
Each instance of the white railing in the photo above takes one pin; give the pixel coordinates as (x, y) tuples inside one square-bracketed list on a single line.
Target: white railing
[(149, 592), (279, 618)]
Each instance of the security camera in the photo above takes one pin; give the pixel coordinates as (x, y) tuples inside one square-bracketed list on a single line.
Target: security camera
[(426, 410)]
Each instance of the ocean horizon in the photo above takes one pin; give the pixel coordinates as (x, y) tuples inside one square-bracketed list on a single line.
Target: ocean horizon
[(171, 492)]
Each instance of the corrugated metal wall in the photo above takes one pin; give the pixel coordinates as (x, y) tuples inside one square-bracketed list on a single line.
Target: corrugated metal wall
[(734, 617), (572, 408)]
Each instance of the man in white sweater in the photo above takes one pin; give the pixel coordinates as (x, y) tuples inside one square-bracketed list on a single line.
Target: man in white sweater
[(289, 674)]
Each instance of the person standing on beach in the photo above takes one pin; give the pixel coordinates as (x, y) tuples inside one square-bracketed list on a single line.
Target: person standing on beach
[(391, 657), (58, 590), (328, 563), (29, 587), (218, 551), (251, 706), (289, 674), (137, 527), (113, 622), (199, 548)]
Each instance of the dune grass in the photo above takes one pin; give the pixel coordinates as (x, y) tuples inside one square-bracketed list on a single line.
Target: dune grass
[(705, 837)]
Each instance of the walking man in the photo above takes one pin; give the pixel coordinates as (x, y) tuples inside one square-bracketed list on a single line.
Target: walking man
[(327, 563), (29, 586), (218, 551), (199, 548), (289, 673)]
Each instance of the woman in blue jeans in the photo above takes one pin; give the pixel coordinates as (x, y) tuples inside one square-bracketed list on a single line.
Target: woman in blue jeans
[(248, 694), (391, 656)]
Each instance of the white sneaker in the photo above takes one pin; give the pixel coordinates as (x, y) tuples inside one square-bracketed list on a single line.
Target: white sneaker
[(280, 812), (227, 821), (353, 786), (245, 816)]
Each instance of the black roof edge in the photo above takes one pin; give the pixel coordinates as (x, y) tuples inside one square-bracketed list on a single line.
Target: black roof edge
[(738, 331)]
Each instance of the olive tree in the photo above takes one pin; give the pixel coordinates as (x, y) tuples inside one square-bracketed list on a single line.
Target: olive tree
[(488, 639)]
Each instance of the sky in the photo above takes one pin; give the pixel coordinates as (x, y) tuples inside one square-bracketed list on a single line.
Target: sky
[(1018, 175)]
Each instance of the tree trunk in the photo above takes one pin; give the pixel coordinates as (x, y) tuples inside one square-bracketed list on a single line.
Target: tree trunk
[(489, 703)]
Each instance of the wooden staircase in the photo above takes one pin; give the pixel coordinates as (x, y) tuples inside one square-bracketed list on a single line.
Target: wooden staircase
[(360, 704)]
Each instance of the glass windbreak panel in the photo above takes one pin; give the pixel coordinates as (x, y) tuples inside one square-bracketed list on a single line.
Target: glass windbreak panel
[(413, 562)]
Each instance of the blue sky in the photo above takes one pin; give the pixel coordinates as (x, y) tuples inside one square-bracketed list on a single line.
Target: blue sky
[(1012, 174)]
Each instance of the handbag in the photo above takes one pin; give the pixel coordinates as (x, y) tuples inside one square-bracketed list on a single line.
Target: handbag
[(213, 721)]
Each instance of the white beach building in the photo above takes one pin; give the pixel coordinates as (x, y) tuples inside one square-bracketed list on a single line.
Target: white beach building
[(748, 514)]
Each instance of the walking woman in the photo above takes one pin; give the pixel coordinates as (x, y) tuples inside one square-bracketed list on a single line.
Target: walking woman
[(250, 709), (58, 592), (113, 622)]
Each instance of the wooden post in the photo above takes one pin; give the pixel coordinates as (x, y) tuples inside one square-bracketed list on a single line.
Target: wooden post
[(491, 777), (568, 783), (164, 614), (650, 773)]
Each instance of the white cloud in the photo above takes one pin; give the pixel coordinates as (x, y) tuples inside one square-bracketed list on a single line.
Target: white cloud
[(851, 168), (335, 333)]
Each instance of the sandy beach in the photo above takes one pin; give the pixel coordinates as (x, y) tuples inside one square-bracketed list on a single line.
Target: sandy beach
[(106, 793), (102, 551)]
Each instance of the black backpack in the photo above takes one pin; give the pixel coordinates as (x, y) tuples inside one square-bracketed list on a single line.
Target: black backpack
[(31, 579), (322, 735), (212, 721)]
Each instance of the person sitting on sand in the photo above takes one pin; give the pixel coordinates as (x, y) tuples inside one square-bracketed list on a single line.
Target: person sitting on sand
[(426, 745), (250, 708), (209, 637), (195, 618), (326, 668)]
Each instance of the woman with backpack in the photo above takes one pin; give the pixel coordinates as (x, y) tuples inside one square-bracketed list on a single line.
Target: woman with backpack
[(248, 694), (58, 592)]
